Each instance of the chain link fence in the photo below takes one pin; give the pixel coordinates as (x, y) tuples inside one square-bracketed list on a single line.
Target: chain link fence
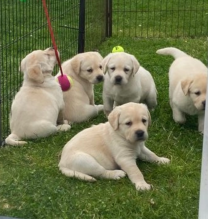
[(23, 28), (160, 18)]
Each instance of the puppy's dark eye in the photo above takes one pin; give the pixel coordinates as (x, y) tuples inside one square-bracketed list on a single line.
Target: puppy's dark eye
[(144, 121), (129, 123), (198, 93), (90, 70), (126, 69), (113, 68), (100, 67)]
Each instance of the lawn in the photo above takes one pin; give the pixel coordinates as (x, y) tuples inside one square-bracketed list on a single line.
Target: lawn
[(31, 185)]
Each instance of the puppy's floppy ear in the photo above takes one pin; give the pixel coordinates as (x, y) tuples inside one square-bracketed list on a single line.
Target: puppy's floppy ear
[(105, 62), (148, 113), (35, 73), (113, 117), (149, 118), (136, 64), (22, 66), (76, 63), (185, 85)]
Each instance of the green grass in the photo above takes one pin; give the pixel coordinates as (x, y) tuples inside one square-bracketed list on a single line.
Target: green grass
[(31, 186)]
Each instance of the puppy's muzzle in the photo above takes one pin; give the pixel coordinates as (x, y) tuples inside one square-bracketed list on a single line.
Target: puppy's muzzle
[(100, 78), (118, 79), (140, 135)]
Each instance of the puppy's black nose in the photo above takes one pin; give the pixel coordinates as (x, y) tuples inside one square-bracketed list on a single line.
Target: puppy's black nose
[(100, 78), (118, 79), (204, 104), (139, 134)]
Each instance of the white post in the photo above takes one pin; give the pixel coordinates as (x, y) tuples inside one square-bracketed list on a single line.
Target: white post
[(203, 197)]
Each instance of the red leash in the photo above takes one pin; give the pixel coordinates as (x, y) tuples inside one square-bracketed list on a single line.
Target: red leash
[(52, 35), (64, 80)]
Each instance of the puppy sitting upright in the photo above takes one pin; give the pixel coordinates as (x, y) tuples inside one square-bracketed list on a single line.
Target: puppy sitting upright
[(126, 81), (37, 107), (187, 86), (110, 149), (85, 69)]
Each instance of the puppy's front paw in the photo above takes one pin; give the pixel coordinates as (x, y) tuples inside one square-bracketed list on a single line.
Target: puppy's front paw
[(142, 185), (63, 127), (179, 118), (163, 160)]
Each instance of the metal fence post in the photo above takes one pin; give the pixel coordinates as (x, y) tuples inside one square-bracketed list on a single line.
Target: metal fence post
[(1, 119), (203, 198), (108, 18), (81, 38)]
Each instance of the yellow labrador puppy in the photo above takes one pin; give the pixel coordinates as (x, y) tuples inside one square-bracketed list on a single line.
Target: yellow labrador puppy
[(187, 86), (85, 69), (126, 81), (37, 107), (110, 149)]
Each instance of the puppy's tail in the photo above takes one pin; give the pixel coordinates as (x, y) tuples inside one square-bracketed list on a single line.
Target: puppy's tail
[(13, 139), (76, 174), (176, 53)]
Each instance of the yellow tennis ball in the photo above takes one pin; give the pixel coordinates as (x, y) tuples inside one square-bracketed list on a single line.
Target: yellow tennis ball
[(118, 49), (71, 80)]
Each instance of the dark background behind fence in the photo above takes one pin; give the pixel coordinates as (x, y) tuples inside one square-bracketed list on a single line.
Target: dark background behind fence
[(81, 25)]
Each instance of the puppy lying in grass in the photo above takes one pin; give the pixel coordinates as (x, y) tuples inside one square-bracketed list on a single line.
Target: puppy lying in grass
[(85, 69), (126, 81), (37, 107), (187, 86), (109, 150)]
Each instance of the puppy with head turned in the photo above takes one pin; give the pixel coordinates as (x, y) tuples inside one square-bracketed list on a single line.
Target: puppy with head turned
[(85, 69), (37, 109), (187, 86)]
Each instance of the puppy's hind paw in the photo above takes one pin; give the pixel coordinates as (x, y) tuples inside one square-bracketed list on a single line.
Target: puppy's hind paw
[(118, 174), (63, 127), (114, 174), (163, 160)]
